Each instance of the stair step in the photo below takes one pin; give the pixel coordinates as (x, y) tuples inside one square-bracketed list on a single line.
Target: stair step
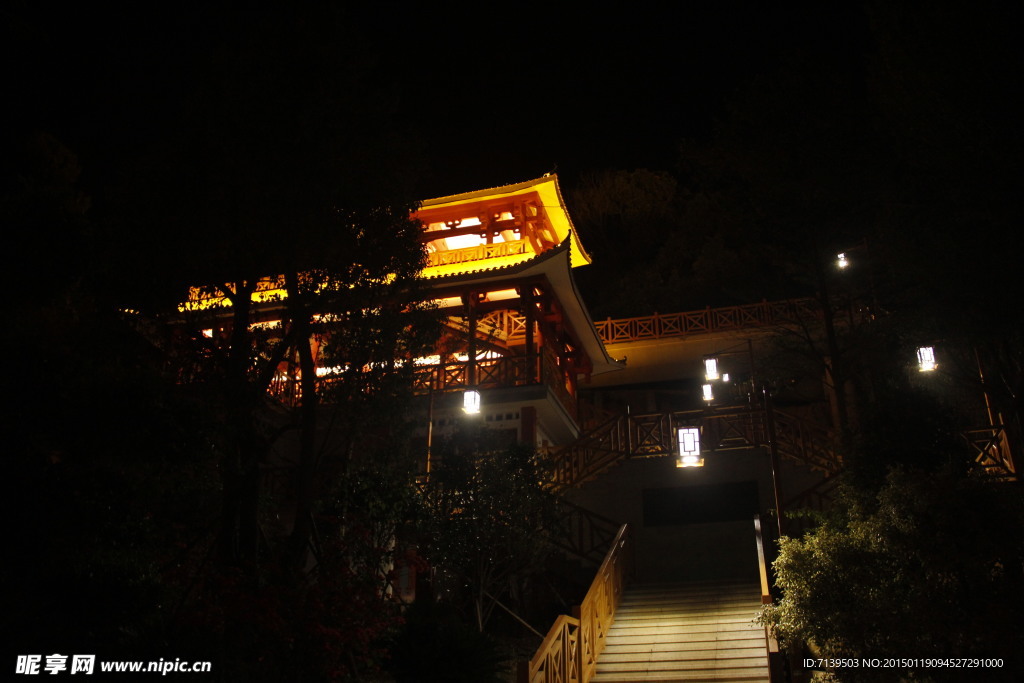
[(682, 677), (701, 631), (698, 653), (707, 664), (695, 587), (710, 622), (682, 641), (694, 609), (669, 602)]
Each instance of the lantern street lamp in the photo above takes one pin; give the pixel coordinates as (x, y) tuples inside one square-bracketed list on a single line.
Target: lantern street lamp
[(689, 447), (926, 359), (689, 438), (471, 401), (711, 369), (841, 260)]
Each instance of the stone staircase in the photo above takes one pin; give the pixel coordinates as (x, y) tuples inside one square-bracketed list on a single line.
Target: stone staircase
[(700, 631)]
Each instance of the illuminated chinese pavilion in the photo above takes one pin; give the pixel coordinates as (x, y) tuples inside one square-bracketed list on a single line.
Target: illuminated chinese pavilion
[(500, 268), (516, 331)]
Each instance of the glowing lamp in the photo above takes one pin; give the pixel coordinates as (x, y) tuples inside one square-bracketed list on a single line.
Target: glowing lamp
[(689, 447), (926, 359), (841, 260), (710, 369), (708, 393), (471, 401)]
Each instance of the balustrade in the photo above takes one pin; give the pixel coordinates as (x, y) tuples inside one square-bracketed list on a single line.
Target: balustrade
[(570, 650), (992, 450), (708, 320), (507, 371), (477, 253), (655, 434)]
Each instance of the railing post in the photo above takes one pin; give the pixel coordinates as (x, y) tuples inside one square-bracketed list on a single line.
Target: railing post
[(773, 454)]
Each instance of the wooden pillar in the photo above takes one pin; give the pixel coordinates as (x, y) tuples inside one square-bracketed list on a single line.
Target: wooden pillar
[(572, 367), (471, 323), (530, 313)]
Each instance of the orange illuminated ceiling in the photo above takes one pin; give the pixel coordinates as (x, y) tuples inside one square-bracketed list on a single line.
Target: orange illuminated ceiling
[(496, 228)]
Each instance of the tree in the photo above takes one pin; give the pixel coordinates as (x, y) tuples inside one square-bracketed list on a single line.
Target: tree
[(285, 172), (488, 505), (930, 566), (664, 242), (282, 203)]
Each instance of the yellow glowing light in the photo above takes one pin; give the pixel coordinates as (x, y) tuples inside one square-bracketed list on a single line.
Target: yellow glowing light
[(708, 393), (463, 241), (331, 370), (474, 266), (483, 355), (471, 401), (710, 369), (689, 447), (926, 359), (502, 295), (841, 260), (548, 197)]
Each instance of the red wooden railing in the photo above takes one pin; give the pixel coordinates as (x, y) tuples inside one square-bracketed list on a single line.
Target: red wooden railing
[(493, 373), (708, 320)]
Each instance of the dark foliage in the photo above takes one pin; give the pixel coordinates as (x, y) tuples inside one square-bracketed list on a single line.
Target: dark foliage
[(488, 505), (929, 564), (437, 645)]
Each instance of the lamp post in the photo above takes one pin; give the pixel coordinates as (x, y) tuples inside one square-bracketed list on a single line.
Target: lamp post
[(773, 456), (712, 372), (844, 260)]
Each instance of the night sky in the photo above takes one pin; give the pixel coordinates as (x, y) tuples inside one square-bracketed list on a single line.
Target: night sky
[(491, 98), (786, 119)]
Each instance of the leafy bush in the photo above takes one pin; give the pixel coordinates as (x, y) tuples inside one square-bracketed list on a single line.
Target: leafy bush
[(931, 566)]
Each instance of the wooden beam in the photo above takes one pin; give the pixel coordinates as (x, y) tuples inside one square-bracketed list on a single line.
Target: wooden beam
[(485, 306), (492, 228), (497, 285)]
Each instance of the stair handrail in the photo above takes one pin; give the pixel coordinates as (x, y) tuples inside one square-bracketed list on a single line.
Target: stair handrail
[(571, 647), (771, 644), (583, 533), (762, 566)]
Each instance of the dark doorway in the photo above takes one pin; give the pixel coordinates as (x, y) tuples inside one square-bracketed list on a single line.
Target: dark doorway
[(727, 502)]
